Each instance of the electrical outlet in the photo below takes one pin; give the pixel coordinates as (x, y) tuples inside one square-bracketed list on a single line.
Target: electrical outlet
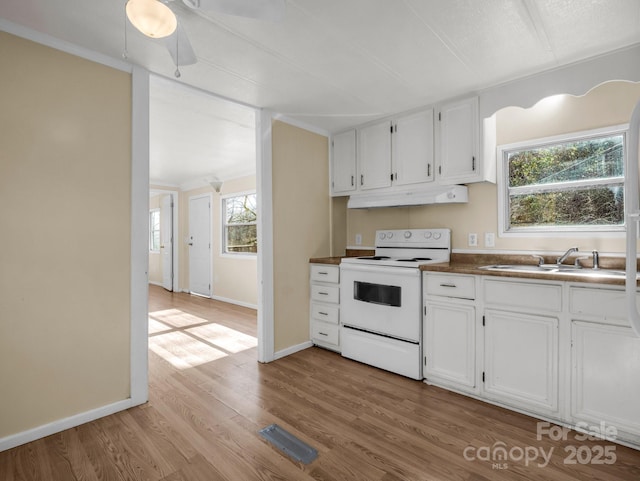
[(473, 240), (489, 239), (358, 239)]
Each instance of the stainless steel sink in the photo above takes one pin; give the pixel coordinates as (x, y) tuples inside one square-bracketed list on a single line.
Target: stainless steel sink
[(554, 269), (520, 267)]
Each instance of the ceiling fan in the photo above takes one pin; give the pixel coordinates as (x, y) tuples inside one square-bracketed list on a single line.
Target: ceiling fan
[(158, 19)]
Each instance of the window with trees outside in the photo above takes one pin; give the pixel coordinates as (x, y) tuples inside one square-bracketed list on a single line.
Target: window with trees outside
[(572, 183), (154, 230), (240, 234)]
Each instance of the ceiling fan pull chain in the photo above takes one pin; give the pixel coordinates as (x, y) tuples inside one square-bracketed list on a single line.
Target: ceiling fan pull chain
[(125, 53), (177, 72)]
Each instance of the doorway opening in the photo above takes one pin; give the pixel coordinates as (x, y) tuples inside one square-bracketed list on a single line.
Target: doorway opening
[(203, 149)]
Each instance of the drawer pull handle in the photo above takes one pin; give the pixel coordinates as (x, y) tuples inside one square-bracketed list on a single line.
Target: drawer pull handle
[(323, 273), (323, 313), (323, 293), (323, 334), (448, 285)]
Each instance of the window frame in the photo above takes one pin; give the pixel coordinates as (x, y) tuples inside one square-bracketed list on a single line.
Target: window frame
[(502, 151), (224, 225), (151, 231)]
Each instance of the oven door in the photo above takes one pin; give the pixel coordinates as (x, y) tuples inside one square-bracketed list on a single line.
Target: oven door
[(382, 300)]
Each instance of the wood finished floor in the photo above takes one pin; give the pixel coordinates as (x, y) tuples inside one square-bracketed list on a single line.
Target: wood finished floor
[(209, 397)]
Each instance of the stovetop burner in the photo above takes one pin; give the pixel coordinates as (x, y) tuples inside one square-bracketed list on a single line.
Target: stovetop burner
[(375, 258), (415, 259)]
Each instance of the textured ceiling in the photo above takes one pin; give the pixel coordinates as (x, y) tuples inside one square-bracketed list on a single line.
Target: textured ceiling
[(338, 63)]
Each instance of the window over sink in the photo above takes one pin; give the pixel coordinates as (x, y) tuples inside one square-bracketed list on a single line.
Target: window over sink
[(570, 183)]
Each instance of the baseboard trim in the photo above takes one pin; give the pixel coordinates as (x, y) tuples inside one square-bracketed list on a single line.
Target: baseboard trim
[(159, 284), (233, 301), (292, 350), (24, 437)]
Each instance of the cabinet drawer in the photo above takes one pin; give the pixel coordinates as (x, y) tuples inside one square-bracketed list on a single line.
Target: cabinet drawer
[(325, 312), (605, 304), (450, 285), (539, 297), (324, 293), (325, 273), (325, 332)]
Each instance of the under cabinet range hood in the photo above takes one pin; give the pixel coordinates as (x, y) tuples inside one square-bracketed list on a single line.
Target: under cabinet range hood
[(437, 194)]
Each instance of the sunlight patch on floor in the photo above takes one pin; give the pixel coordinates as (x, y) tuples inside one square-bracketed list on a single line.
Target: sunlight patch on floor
[(228, 339), (176, 318), (184, 347), (183, 351)]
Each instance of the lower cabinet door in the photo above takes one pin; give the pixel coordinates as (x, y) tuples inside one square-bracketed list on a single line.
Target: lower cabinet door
[(521, 360), (605, 385), (449, 344)]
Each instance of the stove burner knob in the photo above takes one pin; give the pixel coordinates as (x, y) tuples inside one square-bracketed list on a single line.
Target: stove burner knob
[(382, 235), (427, 235), (407, 234), (437, 235), (390, 235)]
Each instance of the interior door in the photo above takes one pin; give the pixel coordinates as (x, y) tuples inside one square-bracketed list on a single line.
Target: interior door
[(200, 245), (166, 240)]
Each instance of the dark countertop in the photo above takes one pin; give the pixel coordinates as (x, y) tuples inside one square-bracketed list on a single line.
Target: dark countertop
[(471, 263)]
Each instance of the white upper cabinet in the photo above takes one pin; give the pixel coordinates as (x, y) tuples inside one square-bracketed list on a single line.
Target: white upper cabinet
[(398, 152), (458, 142), (374, 156), (343, 163), (413, 149)]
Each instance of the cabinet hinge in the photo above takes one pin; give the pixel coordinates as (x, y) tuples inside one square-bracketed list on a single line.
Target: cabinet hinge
[(473, 163), (483, 320), (482, 376), (439, 116)]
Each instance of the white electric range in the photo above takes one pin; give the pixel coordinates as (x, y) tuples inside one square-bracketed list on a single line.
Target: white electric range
[(381, 299)]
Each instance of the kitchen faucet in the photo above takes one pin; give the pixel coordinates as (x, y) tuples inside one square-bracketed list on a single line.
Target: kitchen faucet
[(564, 256)]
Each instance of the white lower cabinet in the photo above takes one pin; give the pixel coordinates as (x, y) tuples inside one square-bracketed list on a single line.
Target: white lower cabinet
[(521, 360), (449, 344), (324, 306), (605, 364), (559, 351), (449, 331)]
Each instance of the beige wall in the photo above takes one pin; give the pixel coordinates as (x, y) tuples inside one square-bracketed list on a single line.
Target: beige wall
[(155, 258), (301, 207), (608, 104), (65, 212), (235, 278)]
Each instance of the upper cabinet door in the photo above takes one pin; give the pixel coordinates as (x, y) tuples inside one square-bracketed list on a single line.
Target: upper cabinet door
[(413, 148), (459, 142), (343, 163), (374, 156)]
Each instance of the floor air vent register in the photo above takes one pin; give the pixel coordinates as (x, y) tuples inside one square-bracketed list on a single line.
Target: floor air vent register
[(289, 444)]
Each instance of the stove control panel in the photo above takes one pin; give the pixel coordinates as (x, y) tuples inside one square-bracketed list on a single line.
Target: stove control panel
[(414, 238)]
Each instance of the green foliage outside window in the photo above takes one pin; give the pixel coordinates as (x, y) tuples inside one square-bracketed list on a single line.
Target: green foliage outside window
[(575, 183)]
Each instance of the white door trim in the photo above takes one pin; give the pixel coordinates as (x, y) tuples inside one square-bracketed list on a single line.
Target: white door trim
[(265, 236), (139, 236)]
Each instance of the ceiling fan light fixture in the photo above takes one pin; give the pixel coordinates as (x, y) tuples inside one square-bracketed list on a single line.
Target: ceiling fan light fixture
[(151, 17)]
